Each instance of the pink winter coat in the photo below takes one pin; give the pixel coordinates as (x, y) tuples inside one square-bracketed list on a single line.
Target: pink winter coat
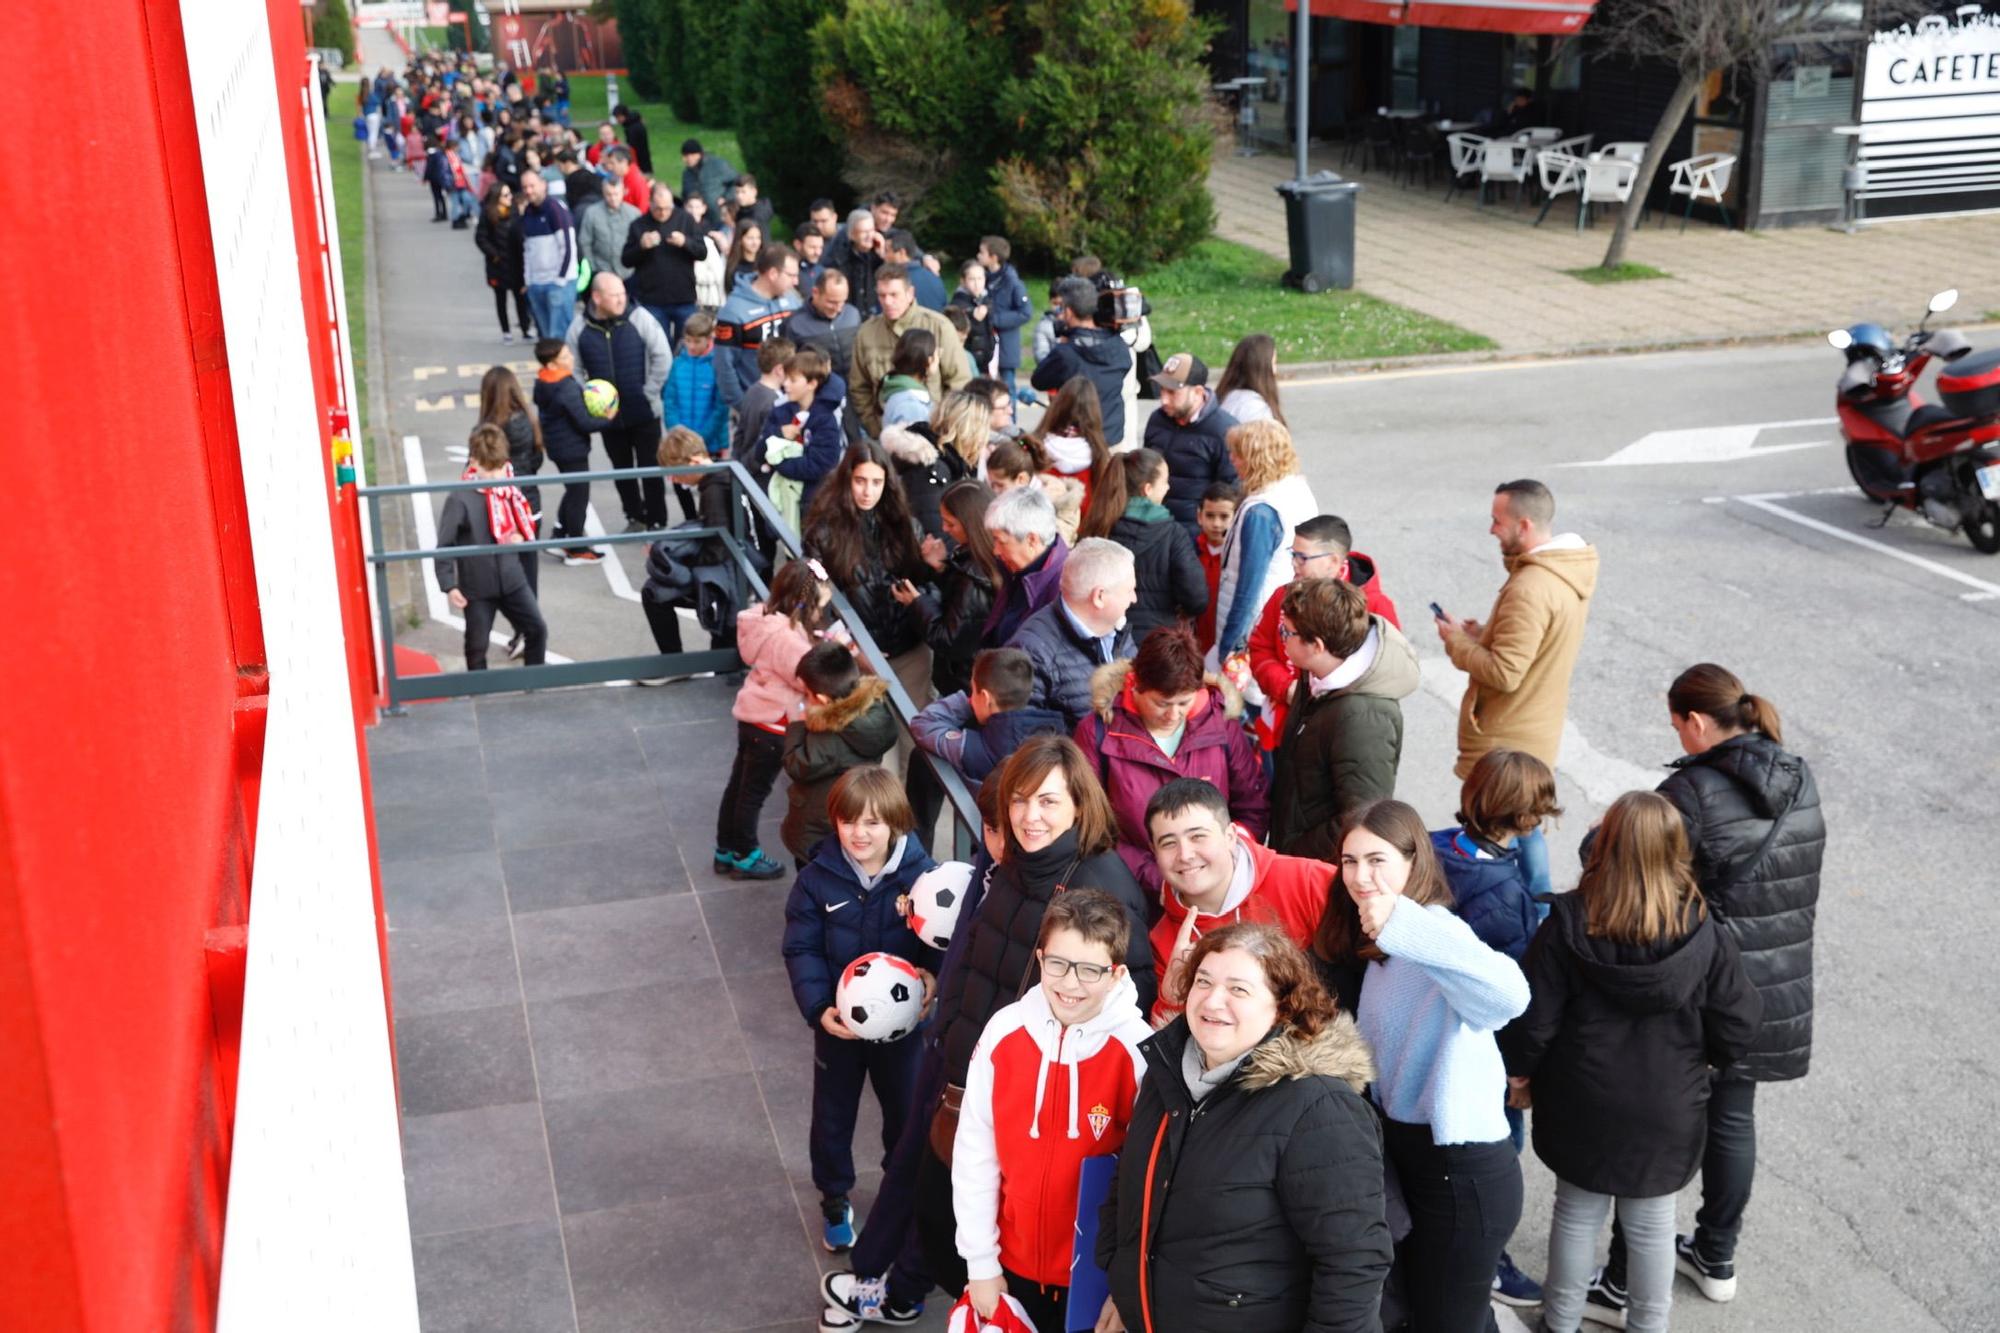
[(771, 646)]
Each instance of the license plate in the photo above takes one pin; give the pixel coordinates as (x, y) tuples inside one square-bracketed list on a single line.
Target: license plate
[(1989, 481)]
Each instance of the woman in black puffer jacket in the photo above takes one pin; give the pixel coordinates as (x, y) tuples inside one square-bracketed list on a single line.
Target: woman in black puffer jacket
[(1252, 1111), (954, 612), (1754, 825), (1061, 835), (859, 527)]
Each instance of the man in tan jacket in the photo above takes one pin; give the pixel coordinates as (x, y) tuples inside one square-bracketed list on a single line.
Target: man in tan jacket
[(875, 347), (1520, 660)]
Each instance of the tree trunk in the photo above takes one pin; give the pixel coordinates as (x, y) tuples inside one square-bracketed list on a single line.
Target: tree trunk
[(1656, 149)]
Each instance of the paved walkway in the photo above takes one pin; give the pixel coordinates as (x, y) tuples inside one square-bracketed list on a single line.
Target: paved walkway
[(1490, 270)]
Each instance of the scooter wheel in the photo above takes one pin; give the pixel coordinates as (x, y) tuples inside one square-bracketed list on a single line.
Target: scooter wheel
[(1982, 527)]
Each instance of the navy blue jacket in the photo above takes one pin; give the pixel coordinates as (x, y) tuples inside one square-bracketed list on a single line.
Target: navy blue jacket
[(928, 286), (1064, 660), (821, 435), (1492, 896), (1101, 357), (1009, 308), (830, 921), (566, 426)]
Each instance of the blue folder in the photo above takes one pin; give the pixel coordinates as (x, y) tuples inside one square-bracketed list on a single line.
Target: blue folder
[(1089, 1284)]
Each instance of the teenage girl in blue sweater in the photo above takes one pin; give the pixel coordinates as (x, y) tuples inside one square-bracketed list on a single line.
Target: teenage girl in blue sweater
[(1430, 1004)]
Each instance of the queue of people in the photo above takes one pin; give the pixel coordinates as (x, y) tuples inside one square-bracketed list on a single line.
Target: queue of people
[(1203, 934)]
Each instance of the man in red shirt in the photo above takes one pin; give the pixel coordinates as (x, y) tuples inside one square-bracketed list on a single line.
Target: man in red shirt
[(1215, 876), (1322, 548), (618, 166)]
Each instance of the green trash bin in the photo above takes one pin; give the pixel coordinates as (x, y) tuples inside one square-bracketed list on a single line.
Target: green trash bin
[(1319, 224)]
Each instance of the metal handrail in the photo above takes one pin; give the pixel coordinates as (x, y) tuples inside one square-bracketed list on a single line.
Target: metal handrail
[(452, 684)]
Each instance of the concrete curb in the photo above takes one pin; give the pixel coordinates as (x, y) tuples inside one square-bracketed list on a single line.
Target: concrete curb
[(398, 533), (1496, 357)]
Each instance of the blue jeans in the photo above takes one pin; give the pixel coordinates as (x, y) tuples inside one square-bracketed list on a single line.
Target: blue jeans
[(463, 206), (554, 304), (673, 319)]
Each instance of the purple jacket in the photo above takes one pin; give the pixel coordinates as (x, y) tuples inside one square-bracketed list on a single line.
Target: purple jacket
[(1023, 594), (1132, 766)]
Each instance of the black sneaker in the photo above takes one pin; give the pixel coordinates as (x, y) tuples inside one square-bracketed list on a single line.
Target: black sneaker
[(1605, 1302), (1513, 1287), (1717, 1281)]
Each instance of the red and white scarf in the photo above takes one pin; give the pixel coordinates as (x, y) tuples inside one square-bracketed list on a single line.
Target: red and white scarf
[(507, 511)]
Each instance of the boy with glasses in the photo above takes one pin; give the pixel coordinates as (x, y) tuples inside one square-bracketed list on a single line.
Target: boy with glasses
[(1051, 1083)]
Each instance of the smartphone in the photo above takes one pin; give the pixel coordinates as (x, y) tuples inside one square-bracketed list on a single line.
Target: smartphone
[(1437, 612)]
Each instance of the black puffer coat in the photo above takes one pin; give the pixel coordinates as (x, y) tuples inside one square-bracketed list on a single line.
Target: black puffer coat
[(1729, 795), (894, 627), (1618, 1041), (1172, 586), (1274, 1222), (953, 614), (999, 960), (925, 470)]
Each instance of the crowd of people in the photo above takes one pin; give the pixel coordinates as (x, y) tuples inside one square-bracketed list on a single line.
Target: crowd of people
[(1202, 932)]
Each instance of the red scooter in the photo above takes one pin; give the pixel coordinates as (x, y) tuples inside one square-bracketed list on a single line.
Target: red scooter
[(1938, 460)]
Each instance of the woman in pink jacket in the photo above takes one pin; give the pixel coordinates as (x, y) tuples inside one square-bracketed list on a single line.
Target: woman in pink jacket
[(771, 637)]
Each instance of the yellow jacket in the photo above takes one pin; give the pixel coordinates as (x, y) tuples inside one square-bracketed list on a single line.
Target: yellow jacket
[(1521, 662)]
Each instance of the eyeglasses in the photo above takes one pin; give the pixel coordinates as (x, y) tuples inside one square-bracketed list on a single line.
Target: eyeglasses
[(1088, 973), (1307, 557), (1286, 634)]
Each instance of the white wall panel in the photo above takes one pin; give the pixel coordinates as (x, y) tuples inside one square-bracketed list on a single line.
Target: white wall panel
[(316, 1235)]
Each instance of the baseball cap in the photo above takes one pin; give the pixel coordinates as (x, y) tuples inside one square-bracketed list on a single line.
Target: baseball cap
[(1182, 369)]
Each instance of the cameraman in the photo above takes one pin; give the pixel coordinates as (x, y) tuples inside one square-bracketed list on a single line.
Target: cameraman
[(1082, 348)]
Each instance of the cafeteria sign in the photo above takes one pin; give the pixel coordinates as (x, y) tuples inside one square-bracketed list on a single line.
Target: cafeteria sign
[(1936, 56)]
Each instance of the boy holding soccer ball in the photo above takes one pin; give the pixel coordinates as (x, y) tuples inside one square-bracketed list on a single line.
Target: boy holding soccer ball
[(1051, 1083), (844, 904)]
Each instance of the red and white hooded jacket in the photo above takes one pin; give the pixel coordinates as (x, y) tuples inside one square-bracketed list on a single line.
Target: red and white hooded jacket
[(1039, 1098), (1289, 892)]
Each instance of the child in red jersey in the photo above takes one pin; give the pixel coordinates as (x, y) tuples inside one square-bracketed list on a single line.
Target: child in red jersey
[(1051, 1083)]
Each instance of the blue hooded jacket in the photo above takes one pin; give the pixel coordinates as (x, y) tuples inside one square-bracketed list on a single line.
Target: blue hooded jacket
[(1494, 889), (830, 921)]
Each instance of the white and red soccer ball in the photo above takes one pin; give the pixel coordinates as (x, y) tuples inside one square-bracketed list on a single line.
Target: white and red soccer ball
[(880, 997), (936, 898)]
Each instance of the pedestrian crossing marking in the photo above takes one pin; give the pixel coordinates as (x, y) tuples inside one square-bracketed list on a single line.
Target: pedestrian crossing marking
[(425, 372), (445, 402)]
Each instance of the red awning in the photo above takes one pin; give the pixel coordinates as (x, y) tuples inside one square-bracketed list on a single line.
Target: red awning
[(1557, 17)]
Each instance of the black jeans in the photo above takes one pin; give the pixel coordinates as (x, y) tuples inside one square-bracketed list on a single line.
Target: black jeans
[(645, 500), (760, 756), (1728, 1167), (526, 320), (1464, 1201), (1047, 1307), (839, 1069), (522, 613), (570, 512), (890, 1243), (664, 619)]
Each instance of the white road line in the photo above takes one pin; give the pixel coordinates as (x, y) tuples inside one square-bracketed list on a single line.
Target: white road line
[(1603, 777), (613, 567), (1980, 586), (435, 601), (1780, 495)]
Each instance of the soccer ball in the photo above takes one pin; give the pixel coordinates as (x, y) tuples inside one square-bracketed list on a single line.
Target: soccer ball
[(600, 398), (935, 901), (879, 997)]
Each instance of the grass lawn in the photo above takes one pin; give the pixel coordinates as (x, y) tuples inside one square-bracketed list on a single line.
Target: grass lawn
[(345, 162), (1628, 271), (1207, 301), (588, 109)]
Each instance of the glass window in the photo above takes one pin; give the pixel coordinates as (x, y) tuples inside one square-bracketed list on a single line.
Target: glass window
[(1403, 69)]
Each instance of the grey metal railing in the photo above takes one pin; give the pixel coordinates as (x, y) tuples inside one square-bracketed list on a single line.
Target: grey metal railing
[(750, 586)]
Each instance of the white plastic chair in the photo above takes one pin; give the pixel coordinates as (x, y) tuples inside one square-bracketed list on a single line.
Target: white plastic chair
[(1703, 177), (1561, 173), (1631, 150), (1465, 156), (1540, 134), (1606, 180), (1503, 160), (1577, 145)]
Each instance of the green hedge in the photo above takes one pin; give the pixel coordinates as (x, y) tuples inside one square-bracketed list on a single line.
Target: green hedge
[(785, 135), (332, 27)]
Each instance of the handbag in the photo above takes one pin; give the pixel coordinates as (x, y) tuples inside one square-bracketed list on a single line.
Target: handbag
[(944, 1120)]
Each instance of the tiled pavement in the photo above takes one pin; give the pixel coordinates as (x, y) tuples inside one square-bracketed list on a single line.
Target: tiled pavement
[(604, 1083), (1490, 270)]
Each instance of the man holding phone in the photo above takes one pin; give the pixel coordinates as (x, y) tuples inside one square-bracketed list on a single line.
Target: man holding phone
[(1521, 659)]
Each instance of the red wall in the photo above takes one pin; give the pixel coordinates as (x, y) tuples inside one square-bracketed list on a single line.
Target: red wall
[(132, 685)]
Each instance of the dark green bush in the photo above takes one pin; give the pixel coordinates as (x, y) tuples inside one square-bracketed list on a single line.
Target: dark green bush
[(785, 137), (672, 60), (332, 27), (708, 34), (639, 33)]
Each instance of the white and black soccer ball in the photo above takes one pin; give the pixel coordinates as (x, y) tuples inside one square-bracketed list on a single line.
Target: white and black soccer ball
[(936, 898), (880, 997)]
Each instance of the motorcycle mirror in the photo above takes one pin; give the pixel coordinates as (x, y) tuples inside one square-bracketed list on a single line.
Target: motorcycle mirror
[(1944, 300), (1841, 339)]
